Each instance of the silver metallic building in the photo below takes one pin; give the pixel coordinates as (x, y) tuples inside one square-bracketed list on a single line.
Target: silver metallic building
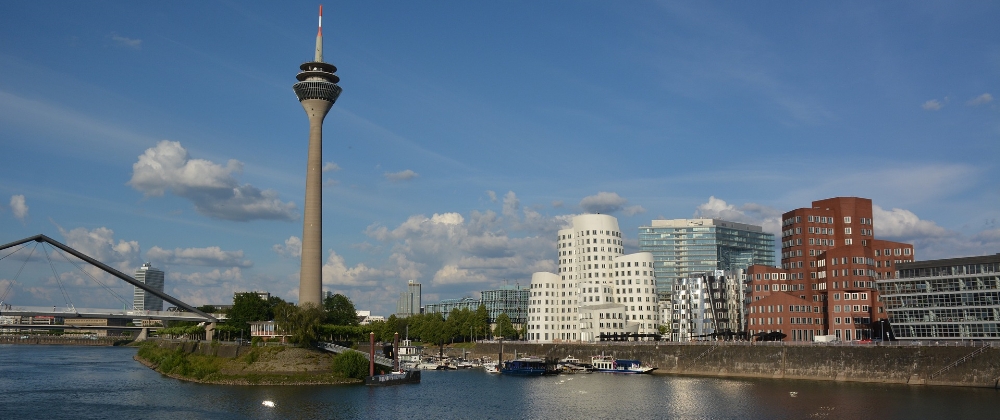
[(948, 299)]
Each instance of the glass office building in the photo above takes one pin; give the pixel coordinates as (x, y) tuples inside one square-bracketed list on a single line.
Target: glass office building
[(684, 247), (956, 299)]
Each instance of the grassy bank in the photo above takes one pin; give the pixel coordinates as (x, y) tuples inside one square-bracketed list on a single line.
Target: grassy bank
[(259, 366)]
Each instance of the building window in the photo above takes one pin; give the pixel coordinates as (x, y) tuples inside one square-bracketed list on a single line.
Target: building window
[(847, 219)]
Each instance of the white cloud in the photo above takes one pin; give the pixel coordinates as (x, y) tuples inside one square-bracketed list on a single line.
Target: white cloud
[(211, 256), (511, 204), (404, 175), (981, 100), (932, 105), (212, 188), (330, 166), (603, 202), (292, 248), (900, 225), (451, 274), (633, 210), (492, 195), (126, 42), (336, 272), (100, 244), (750, 213), (18, 207), (215, 277), (557, 204)]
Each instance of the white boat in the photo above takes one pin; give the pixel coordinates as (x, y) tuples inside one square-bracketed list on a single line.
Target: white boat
[(492, 368), (570, 364), (604, 363)]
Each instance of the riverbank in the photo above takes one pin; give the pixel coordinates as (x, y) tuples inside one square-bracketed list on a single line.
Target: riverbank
[(914, 365), (63, 340), (227, 364)]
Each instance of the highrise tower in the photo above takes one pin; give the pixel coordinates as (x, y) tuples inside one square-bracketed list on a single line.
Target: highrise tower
[(317, 90)]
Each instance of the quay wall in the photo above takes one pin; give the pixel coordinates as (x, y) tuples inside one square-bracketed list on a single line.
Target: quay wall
[(62, 340), (208, 348), (917, 365)]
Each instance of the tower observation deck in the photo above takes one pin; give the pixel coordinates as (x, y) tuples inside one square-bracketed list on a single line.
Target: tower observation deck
[(317, 91)]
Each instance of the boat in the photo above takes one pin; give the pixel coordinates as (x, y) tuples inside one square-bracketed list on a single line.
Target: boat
[(604, 363), (394, 378), (492, 368), (570, 364), (525, 366)]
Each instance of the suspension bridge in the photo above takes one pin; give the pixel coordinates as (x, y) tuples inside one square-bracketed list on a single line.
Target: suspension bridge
[(51, 248)]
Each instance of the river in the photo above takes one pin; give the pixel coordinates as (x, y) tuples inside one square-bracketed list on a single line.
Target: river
[(66, 382)]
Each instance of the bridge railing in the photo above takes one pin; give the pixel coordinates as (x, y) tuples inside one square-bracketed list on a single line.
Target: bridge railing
[(330, 347), (99, 312)]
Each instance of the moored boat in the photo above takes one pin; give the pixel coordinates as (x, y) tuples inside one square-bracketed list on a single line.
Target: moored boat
[(604, 363), (525, 366)]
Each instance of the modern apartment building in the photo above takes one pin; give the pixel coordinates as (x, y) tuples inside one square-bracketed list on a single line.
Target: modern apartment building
[(599, 292), (708, 306), (153, 278), (830, 261), (949, 299), (682, 248)]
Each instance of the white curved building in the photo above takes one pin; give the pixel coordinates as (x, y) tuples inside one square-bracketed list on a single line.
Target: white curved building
[(583, 301)]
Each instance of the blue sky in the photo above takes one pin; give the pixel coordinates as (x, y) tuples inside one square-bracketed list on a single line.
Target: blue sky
[(468, 133)]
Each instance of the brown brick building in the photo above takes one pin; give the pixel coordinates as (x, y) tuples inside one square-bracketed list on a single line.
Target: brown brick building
[(830, 260)]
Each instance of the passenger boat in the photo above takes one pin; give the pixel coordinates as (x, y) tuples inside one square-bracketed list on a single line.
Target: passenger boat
[(525, 366), (394, 378), (604, 363)]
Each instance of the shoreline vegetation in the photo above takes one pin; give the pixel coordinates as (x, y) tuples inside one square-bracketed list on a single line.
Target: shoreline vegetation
[(277, 365)]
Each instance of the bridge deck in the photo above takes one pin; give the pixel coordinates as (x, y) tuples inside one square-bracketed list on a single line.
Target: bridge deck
[(70, 312)]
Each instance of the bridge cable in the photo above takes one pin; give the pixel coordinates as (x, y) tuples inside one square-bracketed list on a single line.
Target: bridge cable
[(12, 252), (69, 303), (98, 281), (14, 280)]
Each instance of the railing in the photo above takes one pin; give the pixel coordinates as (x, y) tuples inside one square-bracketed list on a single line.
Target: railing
[(333, 348), (96, 312), (960, 361)]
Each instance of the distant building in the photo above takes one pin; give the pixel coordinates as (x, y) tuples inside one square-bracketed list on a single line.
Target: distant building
[(600, 293), (708, 306), (511, 300), (78, 326), (830, 261), (409, 301), (366, 317), (152, 278), (682, 248), (949, 299)]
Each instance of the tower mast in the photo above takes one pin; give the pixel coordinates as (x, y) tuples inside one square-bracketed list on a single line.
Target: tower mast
[(317, 91)]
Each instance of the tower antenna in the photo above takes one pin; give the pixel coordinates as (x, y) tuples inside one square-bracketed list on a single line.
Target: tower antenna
[(319, 37)]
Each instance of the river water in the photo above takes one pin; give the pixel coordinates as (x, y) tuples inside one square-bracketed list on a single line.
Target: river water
[(64, 382)]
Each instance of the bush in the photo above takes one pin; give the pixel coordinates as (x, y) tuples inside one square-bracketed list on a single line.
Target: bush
[(351, 364)]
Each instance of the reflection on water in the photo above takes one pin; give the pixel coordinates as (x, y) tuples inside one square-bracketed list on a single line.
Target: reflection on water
[(100, 382)]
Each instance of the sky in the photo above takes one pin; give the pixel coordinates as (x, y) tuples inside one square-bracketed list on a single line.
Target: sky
[(468, 133)]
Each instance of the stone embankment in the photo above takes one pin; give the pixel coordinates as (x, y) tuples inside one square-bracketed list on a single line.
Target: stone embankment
[(62, 340), (905, 364)]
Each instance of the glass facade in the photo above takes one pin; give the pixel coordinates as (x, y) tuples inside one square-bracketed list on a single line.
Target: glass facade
[(684, 247), (955, 298), (510, 300)]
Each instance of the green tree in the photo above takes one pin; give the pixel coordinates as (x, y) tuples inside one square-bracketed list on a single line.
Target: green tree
[(504, 327), (248, 307), (480, 322), (351, 364), (434, 330), (340, 310), (302, 324)]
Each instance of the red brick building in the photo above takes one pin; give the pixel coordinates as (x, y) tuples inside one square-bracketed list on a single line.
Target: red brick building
[(830, 260)]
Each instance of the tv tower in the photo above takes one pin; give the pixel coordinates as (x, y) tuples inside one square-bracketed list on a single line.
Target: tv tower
[(317, 90)]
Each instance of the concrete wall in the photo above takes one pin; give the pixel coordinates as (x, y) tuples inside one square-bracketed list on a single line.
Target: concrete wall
[(883, 364)]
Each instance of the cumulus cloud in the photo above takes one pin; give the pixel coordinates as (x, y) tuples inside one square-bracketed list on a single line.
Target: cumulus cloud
[(492, 195), (215, 277), (932, 105), (981, 100), (212, 187), (100, 244), (557, 204), (211, 256), (291, 248), (901, 225), (336, 272), (766, 217), (451, 274), (607, 203), (18, 207), (400, 176), (330, 166), (126, 42)]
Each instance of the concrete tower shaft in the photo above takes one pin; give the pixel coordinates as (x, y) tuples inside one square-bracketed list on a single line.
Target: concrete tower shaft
[(317, 90)]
